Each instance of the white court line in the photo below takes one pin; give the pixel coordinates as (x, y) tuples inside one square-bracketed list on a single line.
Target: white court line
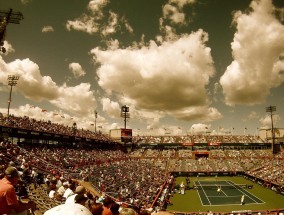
[(226, 196), (230, 182), (204, 193)]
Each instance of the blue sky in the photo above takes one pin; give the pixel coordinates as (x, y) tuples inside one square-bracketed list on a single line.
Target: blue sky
[(180, 65)]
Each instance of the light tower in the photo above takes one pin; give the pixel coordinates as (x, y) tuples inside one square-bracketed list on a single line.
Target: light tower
[(270, 110), (12, 81), (7, 17), (125, 114)]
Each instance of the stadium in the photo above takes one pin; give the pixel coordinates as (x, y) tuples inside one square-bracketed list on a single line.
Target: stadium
[(146, 172), (191, 79)]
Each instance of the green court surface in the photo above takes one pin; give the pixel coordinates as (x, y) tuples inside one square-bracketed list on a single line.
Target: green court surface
[(224, 193), (206, 198)]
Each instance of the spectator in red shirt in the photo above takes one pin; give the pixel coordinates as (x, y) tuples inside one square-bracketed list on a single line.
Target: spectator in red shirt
[(8, 197)]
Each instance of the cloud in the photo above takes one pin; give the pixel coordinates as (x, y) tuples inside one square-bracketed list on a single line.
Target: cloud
[(266, 120), (112, 24), (46, 29), (171, 77), (253, 115), (96, 7), (112, 109), (78, 99), (258, 50), (77, 70), (31, 84), (89, 23), (99, 21), (173, 11), (199, 128), (173, 14), (128, 27), (26, 1)]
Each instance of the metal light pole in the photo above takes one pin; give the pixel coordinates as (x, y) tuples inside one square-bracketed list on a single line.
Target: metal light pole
[(96, 116), (125, 114), (12, 81), (74, 128), (270, 110), (7, 17)]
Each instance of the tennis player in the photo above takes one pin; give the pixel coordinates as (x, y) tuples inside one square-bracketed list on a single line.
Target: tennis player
[(219, 190), (243, 200)]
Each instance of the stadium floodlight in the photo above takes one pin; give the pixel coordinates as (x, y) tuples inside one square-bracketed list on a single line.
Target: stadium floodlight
[(74, 128), (7, 17), (12, 81), (270, 110), (125, 114)]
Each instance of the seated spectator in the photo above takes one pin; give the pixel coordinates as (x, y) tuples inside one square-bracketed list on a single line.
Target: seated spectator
[(61, 190), (52, 189), (79, 190), (8, 197), (70, 190)]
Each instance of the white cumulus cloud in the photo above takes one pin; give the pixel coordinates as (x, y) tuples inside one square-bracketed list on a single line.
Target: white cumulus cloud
[(77, 70), (47, 28), (31, 84), (258, 50), (171, 77)]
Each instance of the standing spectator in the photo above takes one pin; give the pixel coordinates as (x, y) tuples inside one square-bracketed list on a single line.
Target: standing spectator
[(8, 197)]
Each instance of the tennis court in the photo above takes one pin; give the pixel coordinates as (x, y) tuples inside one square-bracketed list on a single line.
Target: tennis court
[(216, 193)]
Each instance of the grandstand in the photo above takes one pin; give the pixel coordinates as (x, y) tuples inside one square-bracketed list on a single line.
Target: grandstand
[(142, 175)]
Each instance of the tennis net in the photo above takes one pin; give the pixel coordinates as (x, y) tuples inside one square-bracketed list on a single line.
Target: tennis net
[(223, 187)]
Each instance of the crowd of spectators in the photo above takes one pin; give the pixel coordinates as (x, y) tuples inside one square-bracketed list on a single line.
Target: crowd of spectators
[(136, 178), (202, 138), (28, 123), (139, 179)]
